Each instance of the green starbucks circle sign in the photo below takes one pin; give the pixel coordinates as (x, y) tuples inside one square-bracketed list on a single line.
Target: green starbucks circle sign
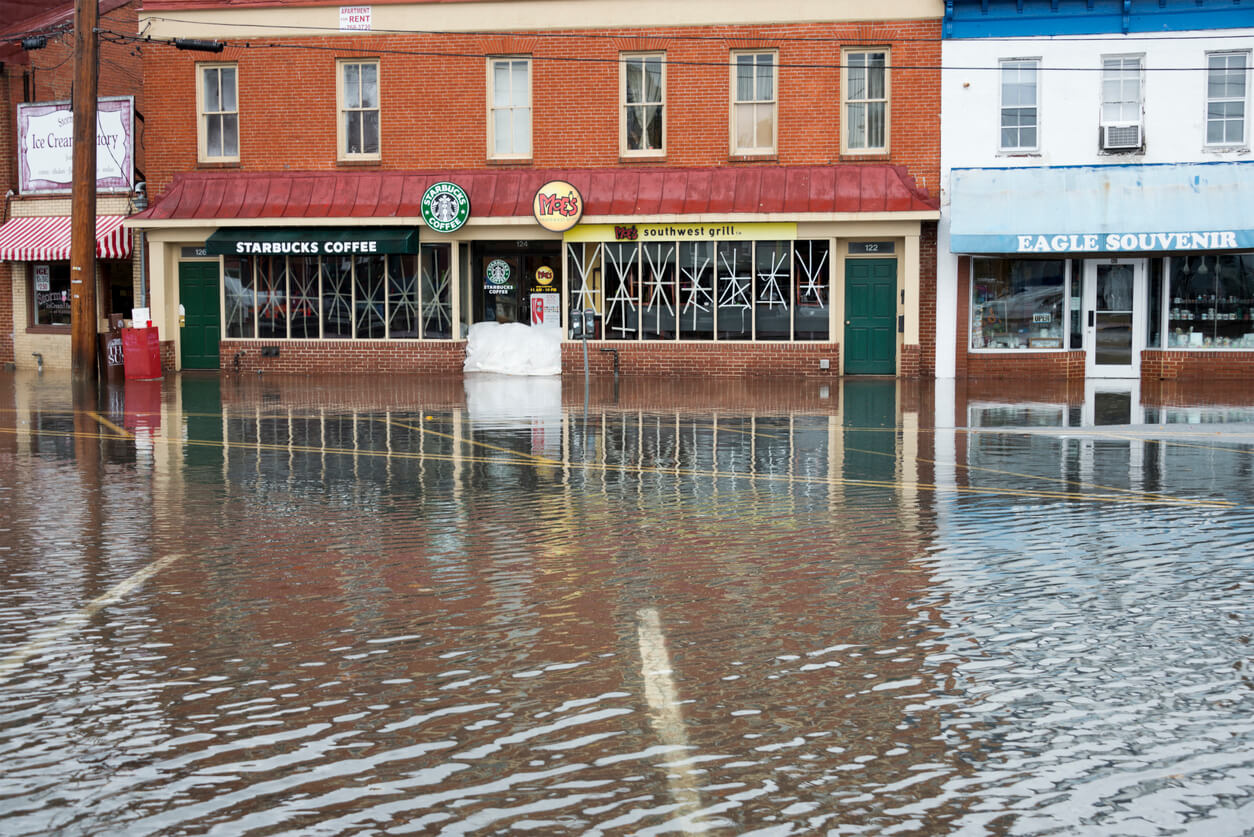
[(445, 207)]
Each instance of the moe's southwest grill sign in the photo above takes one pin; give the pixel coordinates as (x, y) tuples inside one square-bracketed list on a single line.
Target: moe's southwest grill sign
[(557, 206)]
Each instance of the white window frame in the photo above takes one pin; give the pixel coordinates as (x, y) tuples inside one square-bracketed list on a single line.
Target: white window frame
[(1103, 121), (1002, 66), (1244, 142), (846, 147), (772, 103), (642, 58), (203, 117), (342, 109), (516, 110)]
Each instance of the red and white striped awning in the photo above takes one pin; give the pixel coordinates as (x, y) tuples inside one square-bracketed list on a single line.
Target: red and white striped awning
[(48, 239)]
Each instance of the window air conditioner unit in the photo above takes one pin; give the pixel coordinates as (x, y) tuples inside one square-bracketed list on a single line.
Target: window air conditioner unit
[(1121, 136)]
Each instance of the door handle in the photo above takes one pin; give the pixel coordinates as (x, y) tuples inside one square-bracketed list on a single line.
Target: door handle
[(848, 322), (1091, 320)]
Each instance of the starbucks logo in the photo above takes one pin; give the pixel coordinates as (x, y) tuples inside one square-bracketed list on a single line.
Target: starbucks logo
[(445, 207), (498, 272)]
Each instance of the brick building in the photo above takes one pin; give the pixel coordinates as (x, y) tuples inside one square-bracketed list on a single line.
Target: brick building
[(731, 188), (1097, 216), (36, 80)]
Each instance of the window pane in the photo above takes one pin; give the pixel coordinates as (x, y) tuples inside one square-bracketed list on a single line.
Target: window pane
[(658, 301), (230, 135), (653, 80), (352, 86), (437, 300), (52, 307), (403, 312), (369, 86), (744, 126), (811, 266), (501, 132), (696, 291), (766, 125), (654, 132), (213, 138), (500, 84), (228, 89), (522, 131), (1208, 304), (1015, 302), (635, 129), (773, 289), (271, 297), (744, 78), (213, 98), (734, 266), (857, 126), (304, 296), (634, 84), (519, 84), (875, 125), (337, 299), (352, 123), (766, 78), (237, 286), (369, 302), (370, 132), (875, 79)]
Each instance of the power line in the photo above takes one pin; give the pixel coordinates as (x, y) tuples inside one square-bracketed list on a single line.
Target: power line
[(574, 59)]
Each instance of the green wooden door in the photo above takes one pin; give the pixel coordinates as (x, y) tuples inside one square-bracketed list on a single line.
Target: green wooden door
[(870, 317), (198, 294)]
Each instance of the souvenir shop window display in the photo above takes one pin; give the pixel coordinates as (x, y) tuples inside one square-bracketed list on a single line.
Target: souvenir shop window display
[(1018, 303), (1211, 302)]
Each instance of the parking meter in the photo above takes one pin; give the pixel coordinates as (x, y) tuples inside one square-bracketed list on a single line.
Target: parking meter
[(589, 322)]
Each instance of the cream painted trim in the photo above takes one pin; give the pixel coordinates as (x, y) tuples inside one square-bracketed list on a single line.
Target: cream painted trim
[(623, 58), (844, 100), (341, 111), (535, 15), (910, 280), (865, 223), (202, 129)]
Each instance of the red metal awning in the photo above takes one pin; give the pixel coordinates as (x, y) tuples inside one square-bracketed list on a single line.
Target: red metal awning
[(720, 191), (48, 238)]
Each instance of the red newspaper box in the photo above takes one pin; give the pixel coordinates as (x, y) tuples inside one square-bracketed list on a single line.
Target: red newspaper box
[(141, 354)]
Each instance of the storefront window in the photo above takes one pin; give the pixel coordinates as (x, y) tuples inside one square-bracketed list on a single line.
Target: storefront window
[(734, 267), (369, 298), (337, 297), (437, 297), (241, 306), (703, 290), (696, 290), (303, 271), (813, 314), (773, 289), (1212, 301), (271, 297), (1017, 303), (51, 284)]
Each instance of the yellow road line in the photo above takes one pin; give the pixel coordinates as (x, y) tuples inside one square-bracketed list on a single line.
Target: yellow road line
[(73, 621), (105, 422)]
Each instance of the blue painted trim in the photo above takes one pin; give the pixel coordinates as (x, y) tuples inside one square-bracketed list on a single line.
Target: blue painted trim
[(1079, 244), (1108, 166), (1026, 18)]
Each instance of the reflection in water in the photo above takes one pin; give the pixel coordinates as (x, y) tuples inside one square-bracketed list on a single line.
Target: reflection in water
[(320, 606)]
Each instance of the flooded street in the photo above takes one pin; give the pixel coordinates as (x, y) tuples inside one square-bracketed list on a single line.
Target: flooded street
[(247, 605)]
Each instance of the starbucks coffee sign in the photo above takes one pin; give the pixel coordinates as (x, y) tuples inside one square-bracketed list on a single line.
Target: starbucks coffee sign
[(445, 207)]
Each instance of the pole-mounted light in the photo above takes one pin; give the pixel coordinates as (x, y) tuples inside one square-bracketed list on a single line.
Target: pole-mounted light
[(196, 45)]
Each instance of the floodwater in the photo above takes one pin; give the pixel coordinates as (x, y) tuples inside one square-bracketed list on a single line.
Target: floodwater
[(252, 605)]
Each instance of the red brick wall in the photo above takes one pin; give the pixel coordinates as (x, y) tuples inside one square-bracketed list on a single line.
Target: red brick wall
[(1167, 365), (789, 360), (1067, 365), (288, 105), (927, 301)]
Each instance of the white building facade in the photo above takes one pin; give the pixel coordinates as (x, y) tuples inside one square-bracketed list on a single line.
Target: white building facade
[(1097, 218)]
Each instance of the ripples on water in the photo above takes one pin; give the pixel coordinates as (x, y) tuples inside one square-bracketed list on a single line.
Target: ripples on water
[(352, 644)]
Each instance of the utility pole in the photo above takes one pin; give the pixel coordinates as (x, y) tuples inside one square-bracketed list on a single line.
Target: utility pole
[(83, 203)]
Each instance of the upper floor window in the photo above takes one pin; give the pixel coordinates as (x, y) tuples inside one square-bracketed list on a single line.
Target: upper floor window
[(509, 107), (359, 110), (753, 103), (643, 126), (1227, 94), (217, 101), (866, 100), (1121, 103), (1020, 124)]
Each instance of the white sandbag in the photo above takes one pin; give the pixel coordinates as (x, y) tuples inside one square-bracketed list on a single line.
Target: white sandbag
[(513, 349)]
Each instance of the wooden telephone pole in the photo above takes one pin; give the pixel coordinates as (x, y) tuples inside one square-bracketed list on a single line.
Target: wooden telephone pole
[(83, 204)]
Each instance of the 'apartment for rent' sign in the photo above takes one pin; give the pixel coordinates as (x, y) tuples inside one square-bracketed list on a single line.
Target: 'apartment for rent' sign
[(354, 17)]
